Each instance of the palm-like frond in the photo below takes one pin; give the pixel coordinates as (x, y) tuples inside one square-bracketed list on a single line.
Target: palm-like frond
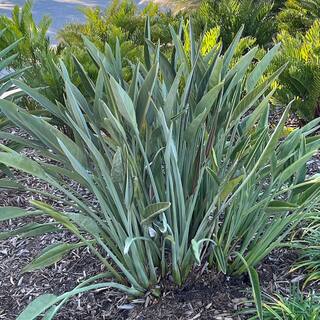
[(298, 15), (256, 16), (301, 79)]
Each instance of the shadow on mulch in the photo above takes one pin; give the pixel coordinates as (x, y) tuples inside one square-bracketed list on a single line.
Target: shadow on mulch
[(212, 296)]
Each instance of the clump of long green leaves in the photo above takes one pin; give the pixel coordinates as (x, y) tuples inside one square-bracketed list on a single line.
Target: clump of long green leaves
[(7, 56), (182, 171), (309, 250), (296, 306)]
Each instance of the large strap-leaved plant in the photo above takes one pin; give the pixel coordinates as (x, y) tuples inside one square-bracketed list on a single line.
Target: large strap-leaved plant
[(180, 160)]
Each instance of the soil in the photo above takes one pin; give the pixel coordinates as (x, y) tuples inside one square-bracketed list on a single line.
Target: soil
[(208, 296)]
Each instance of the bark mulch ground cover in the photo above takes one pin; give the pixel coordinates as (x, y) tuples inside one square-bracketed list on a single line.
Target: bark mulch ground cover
[(208, 295)]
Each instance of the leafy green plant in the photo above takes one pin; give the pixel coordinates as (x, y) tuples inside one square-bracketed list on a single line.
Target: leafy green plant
[(21, 26), (181, 171), (278, 5), (296, 306), (33, 52), (7, 56), (298, 15), (309, 249), (121, 23), (257, 17), (211, 39), (301, 78)]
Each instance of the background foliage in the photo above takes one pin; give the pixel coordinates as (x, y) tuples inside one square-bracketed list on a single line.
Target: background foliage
[(301, 79)]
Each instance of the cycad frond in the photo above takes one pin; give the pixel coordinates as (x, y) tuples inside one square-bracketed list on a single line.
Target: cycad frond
[(301, 80), (230, 15), (298, 15)]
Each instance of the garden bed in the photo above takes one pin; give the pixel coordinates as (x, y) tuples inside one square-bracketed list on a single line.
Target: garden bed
[(210, 296), (160, 160)]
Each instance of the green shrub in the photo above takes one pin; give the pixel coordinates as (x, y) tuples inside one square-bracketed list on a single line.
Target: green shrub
[(296, 306), (278, 6), (309, 250), (33, 52), (21, 26), (7, 56), (257, 17), (181, 171), (212, 38), (301, 79), (298, 15), (122, 21)]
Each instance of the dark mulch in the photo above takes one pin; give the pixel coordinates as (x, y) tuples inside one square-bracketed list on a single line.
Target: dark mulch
[(211, 296)]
